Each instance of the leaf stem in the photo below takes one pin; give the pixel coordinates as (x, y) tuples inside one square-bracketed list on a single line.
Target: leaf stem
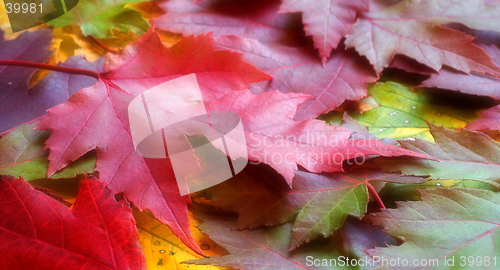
[(106, 48), (50, 67), (375, 195)]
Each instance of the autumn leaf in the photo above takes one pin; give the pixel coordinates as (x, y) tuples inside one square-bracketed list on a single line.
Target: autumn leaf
[(76, 43), (474, 83), (250, 19), (38, 231), (317, 204), (468, 230), (403, 113), (314, 165), (23, 155), (164, 251), (344, 77), (259, 249), (93, 118), (15, 94), (273, 138), (412, 28), (458, 155), (97, 18), (327, 21)]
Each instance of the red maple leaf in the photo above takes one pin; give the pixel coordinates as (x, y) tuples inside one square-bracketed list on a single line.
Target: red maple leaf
[(344, 77), (36, 231), (96, 118), (327, 21), (413, 28), (272, 137)]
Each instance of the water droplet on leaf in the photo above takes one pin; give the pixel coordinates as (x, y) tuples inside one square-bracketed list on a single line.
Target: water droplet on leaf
[(406, 121), (162, 251)]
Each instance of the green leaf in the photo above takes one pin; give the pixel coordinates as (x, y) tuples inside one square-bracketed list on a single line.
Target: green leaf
[(405, 192), (23, 155), (459, 155), (318, 204), (447, 223), (96, 18), (403, 113)]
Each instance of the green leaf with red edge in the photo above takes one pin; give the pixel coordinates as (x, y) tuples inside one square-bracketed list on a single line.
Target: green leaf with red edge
[(412, 28), (317, 203), (327, 21), (40, 232), (446, 223), (458, 155), (265, 248), (23, 155)]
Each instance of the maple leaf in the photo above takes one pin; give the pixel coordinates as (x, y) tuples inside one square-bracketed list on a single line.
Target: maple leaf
[(40, 232), (55, 88), (272, 137), (251, 19), (474, 83), (23, 155), (458, 155), (344, 77), (97, 18), (468, 230), (402, 113), (96, 118), (317, 204), (259, 249), (412, 28), (327, 21)]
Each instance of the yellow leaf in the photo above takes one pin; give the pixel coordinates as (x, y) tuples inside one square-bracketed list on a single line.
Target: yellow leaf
[(164, 251)]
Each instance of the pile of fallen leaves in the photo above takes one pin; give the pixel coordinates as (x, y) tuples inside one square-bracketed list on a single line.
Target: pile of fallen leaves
[(370, 128)]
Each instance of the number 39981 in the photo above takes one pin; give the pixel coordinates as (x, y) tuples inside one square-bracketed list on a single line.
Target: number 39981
[(24, 8)]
